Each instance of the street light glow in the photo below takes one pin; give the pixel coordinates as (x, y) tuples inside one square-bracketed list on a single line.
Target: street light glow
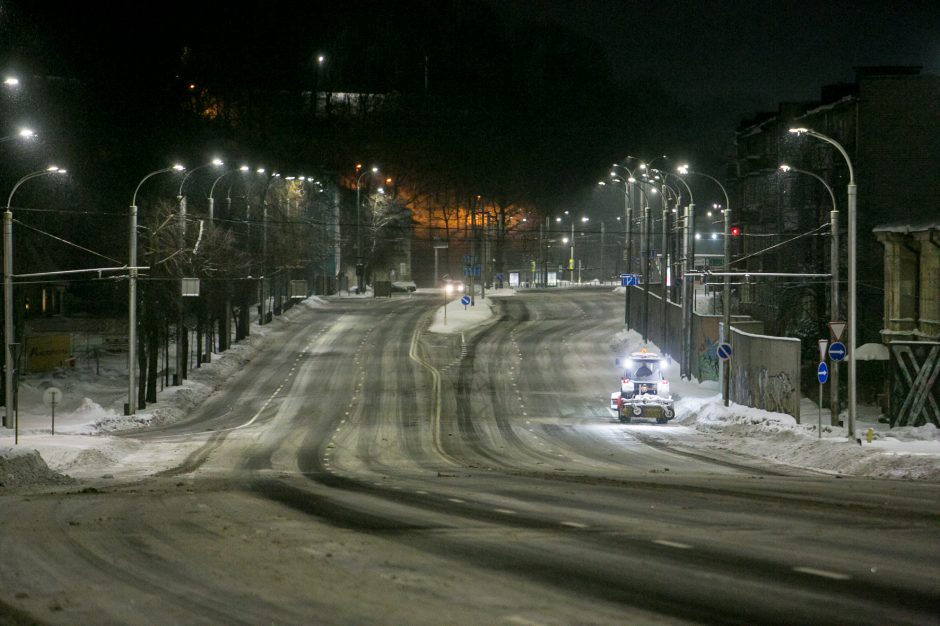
[(785, 168), (799, 131), (11, 81)]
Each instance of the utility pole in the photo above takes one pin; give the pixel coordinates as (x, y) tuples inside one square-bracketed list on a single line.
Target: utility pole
[(646, 280)]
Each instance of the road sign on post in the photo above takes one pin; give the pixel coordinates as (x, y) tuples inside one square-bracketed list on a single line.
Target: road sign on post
[(724, 351), (823, 344), (822, 374), (837, 351), (837, 328), (629, 280)]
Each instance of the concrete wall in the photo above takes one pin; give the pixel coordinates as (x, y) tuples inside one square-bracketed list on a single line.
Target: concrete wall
[(765, 372)]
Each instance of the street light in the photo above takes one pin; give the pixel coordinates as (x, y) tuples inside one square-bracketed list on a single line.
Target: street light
[(181, 199), (23, 133), (130, 409), (645, 247), (726, 292), (8, 290), (852, 192), (664, 244), (688, 282), (834, 288), (243, 168), (628, 232), (359, 266), (11, 81)]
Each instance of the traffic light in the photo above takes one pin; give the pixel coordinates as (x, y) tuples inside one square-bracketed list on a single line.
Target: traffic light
[(737, 241)]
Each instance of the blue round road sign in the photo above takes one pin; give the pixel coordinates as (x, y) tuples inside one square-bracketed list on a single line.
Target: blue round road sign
[(837, 351), (465, 300), (724, 351), (822, 373)]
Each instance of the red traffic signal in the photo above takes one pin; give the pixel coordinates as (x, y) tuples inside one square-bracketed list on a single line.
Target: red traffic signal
[(735, 231)]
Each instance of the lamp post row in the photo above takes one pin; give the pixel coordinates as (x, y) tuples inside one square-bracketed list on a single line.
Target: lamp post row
[(688, 265), (132, 269)]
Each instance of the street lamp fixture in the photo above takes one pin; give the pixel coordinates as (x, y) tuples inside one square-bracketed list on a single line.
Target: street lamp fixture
[(726, 292), (360, 268), (834, 284), (11, 81), (131, 407), (23, 133), (8, 290), (852, 194), (212, 163)]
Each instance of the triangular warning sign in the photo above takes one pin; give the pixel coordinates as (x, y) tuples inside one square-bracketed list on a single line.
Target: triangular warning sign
[(837, 328)]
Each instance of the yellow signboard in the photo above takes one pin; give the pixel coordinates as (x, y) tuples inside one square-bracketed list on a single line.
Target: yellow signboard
[(46, 352)]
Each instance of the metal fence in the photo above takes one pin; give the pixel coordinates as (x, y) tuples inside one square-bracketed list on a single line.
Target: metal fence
[(915, 383)]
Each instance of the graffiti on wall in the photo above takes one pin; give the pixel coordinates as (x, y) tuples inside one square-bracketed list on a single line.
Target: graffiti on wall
[(708, 360), (771, 392), (776, 391)]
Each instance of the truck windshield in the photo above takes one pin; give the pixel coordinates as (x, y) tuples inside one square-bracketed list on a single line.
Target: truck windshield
[(644, 371)]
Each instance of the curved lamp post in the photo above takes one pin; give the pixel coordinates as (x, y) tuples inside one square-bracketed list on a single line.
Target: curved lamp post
[(664, 244), (8, 291), (834, 288), (212, 190), (726, 292), (628, 231), (359, 266), (130, 409), (852, 192), (181, 199), (688, 284), (264, 246), (645, 247)]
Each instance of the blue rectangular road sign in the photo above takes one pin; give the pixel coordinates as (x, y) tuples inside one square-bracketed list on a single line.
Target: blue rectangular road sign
[(629, 280)]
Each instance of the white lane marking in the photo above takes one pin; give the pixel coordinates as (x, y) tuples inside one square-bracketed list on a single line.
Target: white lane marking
[(672, 544), (505, 511), (423, 493), (821, 572), (457, 500), (522, 621), (574, 524)]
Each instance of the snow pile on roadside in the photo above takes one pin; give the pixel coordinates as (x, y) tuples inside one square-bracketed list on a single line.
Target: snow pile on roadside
[(908, 453), (19, 467)]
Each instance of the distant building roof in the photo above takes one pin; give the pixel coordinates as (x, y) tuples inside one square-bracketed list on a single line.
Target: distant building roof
[(908, 227)]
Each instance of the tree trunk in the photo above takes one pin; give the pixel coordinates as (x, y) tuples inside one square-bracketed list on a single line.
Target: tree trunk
[(153, 360)]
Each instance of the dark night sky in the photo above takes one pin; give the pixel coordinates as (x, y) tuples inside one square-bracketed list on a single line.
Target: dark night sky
[(754, 53), (757, 52), (717, 62)]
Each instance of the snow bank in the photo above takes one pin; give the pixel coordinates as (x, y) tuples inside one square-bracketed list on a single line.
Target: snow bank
[(20, 467)]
